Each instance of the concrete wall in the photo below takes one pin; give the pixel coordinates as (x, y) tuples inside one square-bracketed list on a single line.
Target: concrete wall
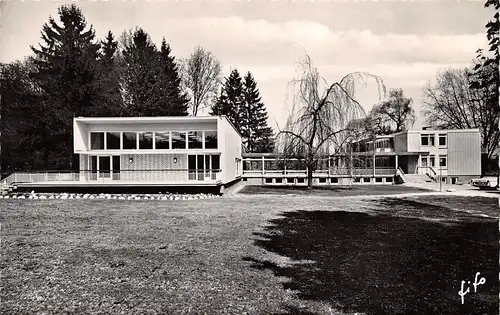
[(414, 141), (80, 137), (401, 142), (230, 146), (464, 153)]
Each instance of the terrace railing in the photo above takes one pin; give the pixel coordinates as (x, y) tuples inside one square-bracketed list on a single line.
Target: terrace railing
[(162, 175), (321, 173)]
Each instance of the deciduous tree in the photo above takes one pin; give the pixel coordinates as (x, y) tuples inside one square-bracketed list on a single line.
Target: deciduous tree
[(318, 124), (394, 114), (451, 103), (201, 79)]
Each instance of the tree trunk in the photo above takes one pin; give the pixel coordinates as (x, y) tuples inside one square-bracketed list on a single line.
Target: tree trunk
[(309, 177)]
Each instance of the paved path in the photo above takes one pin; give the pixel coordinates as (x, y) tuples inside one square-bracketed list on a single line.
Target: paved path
[(447, 190)]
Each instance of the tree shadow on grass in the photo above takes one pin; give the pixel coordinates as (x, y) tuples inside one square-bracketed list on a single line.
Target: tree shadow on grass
[(385, 263)]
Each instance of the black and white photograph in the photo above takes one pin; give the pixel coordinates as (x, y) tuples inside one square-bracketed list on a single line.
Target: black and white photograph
[(273, 157)]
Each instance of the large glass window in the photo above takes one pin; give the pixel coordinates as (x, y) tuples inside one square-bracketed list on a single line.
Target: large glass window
[(195, 140), (113, 140), (162, 140), (97, 140), (178, 140), (145, 140), (442, 160), (424, 140), (129, 140), (210, 139), (427, 140), (432, 161), (442, 139), (424, 160), (215, 162)]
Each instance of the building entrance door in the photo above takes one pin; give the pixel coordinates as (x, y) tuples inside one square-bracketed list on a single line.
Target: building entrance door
[(104, 167)]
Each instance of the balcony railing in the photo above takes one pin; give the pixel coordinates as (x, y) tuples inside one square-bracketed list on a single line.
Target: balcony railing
[(172, 175)]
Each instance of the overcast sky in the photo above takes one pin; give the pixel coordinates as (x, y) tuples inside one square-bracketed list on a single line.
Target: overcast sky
[(405, 43)]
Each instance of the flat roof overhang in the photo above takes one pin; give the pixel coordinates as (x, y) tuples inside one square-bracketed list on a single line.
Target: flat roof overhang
[(389, 153), (145, 120), (255, 156)]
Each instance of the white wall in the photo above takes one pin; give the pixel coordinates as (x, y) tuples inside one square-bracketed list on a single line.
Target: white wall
[(230, 146), (401, 142), (171, 126), (464, 153), (80, 137)]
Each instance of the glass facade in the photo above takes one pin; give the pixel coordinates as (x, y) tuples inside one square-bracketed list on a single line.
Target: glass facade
[(112, 140), (162, 140), (145, 140), (195, 140), (149, 140), (97, 140), (178, 140), (129, 140), (210, 139)]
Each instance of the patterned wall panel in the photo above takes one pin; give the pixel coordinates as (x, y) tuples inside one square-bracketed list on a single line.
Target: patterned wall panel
[(163, 166), (84, 159)]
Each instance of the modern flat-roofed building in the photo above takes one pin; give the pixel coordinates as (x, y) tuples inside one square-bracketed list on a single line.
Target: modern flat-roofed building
[(453, 155), (415, 155), (187, 151)]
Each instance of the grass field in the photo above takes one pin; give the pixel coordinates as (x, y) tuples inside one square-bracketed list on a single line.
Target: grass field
[(249, 254), (333, 191)]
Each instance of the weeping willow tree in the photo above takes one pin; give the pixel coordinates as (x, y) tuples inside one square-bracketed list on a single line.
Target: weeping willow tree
[(319, 124)]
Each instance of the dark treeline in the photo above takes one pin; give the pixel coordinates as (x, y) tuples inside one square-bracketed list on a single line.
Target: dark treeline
[(72, 73)]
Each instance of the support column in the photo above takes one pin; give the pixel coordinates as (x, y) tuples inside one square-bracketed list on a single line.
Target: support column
[(263, 166), (397, 166), (374, 166)]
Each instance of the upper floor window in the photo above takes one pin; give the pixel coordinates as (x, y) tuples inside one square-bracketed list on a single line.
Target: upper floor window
[(97, 140), (146, 140), (112, 140), (442, 160), (442, 139), (427, 139), (162, 140), (129, 141), (210, 139), (195, 140), (178, 140)]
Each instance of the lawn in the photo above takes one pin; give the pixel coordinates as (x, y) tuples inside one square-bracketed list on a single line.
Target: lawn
[(334, 191), (249, 254)]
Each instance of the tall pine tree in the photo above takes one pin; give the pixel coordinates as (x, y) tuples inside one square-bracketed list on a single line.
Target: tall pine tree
[(150, 79), (140, 78), (109, 73), (22, 133), (231, 102), (259, 136), (177, 101), (66, 71)]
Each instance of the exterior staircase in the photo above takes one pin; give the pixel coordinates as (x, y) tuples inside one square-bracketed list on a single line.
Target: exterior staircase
[(7, 185), (6, 189), (417, 179)]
